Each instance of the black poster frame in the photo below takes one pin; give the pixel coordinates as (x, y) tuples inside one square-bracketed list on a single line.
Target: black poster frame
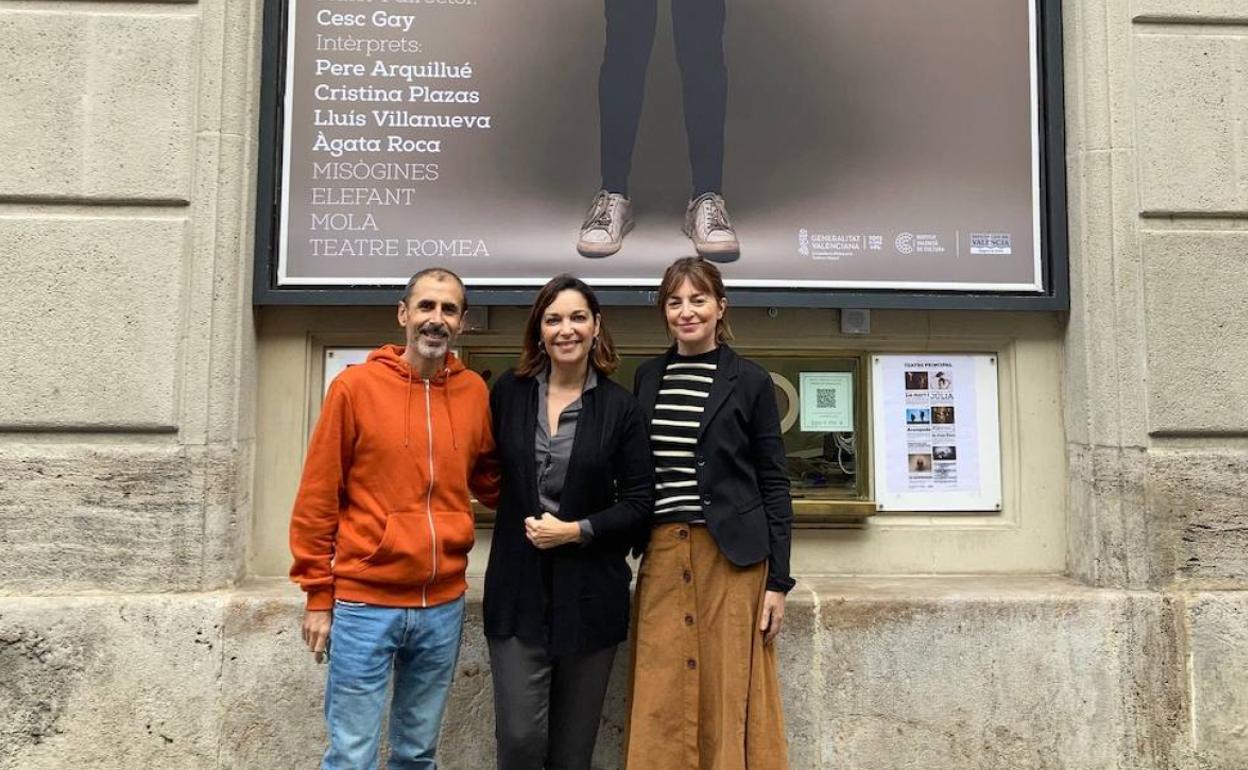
[(1053, 222)]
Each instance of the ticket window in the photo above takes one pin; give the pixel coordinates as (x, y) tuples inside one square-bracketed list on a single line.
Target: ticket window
[(822, 406)]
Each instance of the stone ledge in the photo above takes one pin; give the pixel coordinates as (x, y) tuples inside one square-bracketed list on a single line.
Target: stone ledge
[(962, 673)]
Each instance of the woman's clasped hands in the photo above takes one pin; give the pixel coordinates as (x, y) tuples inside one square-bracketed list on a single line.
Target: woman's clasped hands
[(550, 531)]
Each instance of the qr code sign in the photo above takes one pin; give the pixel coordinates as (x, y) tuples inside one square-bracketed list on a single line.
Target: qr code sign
[(825, 398)]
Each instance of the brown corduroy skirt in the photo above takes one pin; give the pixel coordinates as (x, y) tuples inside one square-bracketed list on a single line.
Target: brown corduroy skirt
[(705, 693)]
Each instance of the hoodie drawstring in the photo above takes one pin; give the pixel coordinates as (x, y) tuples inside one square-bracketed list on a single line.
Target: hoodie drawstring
[(407, 410), (446, 404), (392, 357)]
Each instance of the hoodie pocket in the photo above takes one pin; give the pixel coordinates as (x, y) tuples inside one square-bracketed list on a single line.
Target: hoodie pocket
[(456, 534), (405, 554)]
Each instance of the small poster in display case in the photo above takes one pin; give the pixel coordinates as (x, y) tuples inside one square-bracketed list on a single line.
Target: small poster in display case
[(936, 432)]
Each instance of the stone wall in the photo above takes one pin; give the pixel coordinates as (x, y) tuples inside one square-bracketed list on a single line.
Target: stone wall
[(126, 191), (878, 674), (1155, 387)]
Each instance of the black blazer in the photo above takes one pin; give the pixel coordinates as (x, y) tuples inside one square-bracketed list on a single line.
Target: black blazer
[(740, 464), (574, 598)]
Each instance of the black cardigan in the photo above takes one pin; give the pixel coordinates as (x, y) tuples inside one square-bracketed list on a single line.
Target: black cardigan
[(740, 463), (574, 598)]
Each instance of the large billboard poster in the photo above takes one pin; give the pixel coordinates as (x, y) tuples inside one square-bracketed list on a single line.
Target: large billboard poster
[(847, 145)]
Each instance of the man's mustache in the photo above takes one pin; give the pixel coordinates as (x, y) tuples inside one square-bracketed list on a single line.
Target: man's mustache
[(436, 329)]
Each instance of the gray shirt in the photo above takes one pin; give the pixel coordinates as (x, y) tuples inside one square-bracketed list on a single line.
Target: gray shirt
[(554, 452)]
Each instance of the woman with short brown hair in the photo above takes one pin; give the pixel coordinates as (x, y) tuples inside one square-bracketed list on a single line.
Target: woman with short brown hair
[(712, 584)]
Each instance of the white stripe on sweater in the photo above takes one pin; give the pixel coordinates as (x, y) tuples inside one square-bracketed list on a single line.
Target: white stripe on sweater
[(674, 499), (674, 439), (675, 484), (679, 509), (675, 423)]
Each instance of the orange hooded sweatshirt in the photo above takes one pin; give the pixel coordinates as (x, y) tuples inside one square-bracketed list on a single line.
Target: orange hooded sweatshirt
[(383, 514)]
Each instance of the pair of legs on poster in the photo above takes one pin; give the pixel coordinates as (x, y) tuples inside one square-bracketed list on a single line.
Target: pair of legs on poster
[(698, 28)]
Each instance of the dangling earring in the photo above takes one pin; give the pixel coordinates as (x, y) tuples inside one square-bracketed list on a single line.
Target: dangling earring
[(593, 343), (541, 347)]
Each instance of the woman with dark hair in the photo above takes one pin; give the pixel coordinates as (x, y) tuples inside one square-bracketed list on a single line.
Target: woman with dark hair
[(712, 584), (576, 495)]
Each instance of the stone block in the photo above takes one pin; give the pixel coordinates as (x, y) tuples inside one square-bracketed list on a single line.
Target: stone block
[(800, 664), (218, 304), (1196, 314), (92, 312), (1130, 362), (1121, 80), (229, 65), (1188, 88), (1007, 673), (109, 682), (1114, 539), (1076, 368), (1128, 540), (97, 106), (270, 689), (1096, 307), (1093, 71), (1218, 624), (118, 517), (1081, 558), (1072, 82), (227, 511), (1205, 496)]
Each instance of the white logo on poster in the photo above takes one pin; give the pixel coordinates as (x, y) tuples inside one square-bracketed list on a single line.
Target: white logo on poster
[(991, 243), (905, 243), (830, 246), (928, 243)]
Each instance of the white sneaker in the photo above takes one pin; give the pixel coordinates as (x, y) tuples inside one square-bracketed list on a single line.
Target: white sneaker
[(708, 226), (609, 219)]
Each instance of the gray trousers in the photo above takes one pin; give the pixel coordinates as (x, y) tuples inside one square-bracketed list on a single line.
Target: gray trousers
[(546, 709)]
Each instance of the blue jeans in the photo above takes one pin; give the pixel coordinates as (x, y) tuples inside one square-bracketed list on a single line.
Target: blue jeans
[(366, 642)]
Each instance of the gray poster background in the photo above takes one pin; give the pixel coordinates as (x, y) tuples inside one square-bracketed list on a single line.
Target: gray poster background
[(846, 119)]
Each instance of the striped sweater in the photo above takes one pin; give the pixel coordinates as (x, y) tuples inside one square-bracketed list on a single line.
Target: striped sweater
[(678, 411)]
